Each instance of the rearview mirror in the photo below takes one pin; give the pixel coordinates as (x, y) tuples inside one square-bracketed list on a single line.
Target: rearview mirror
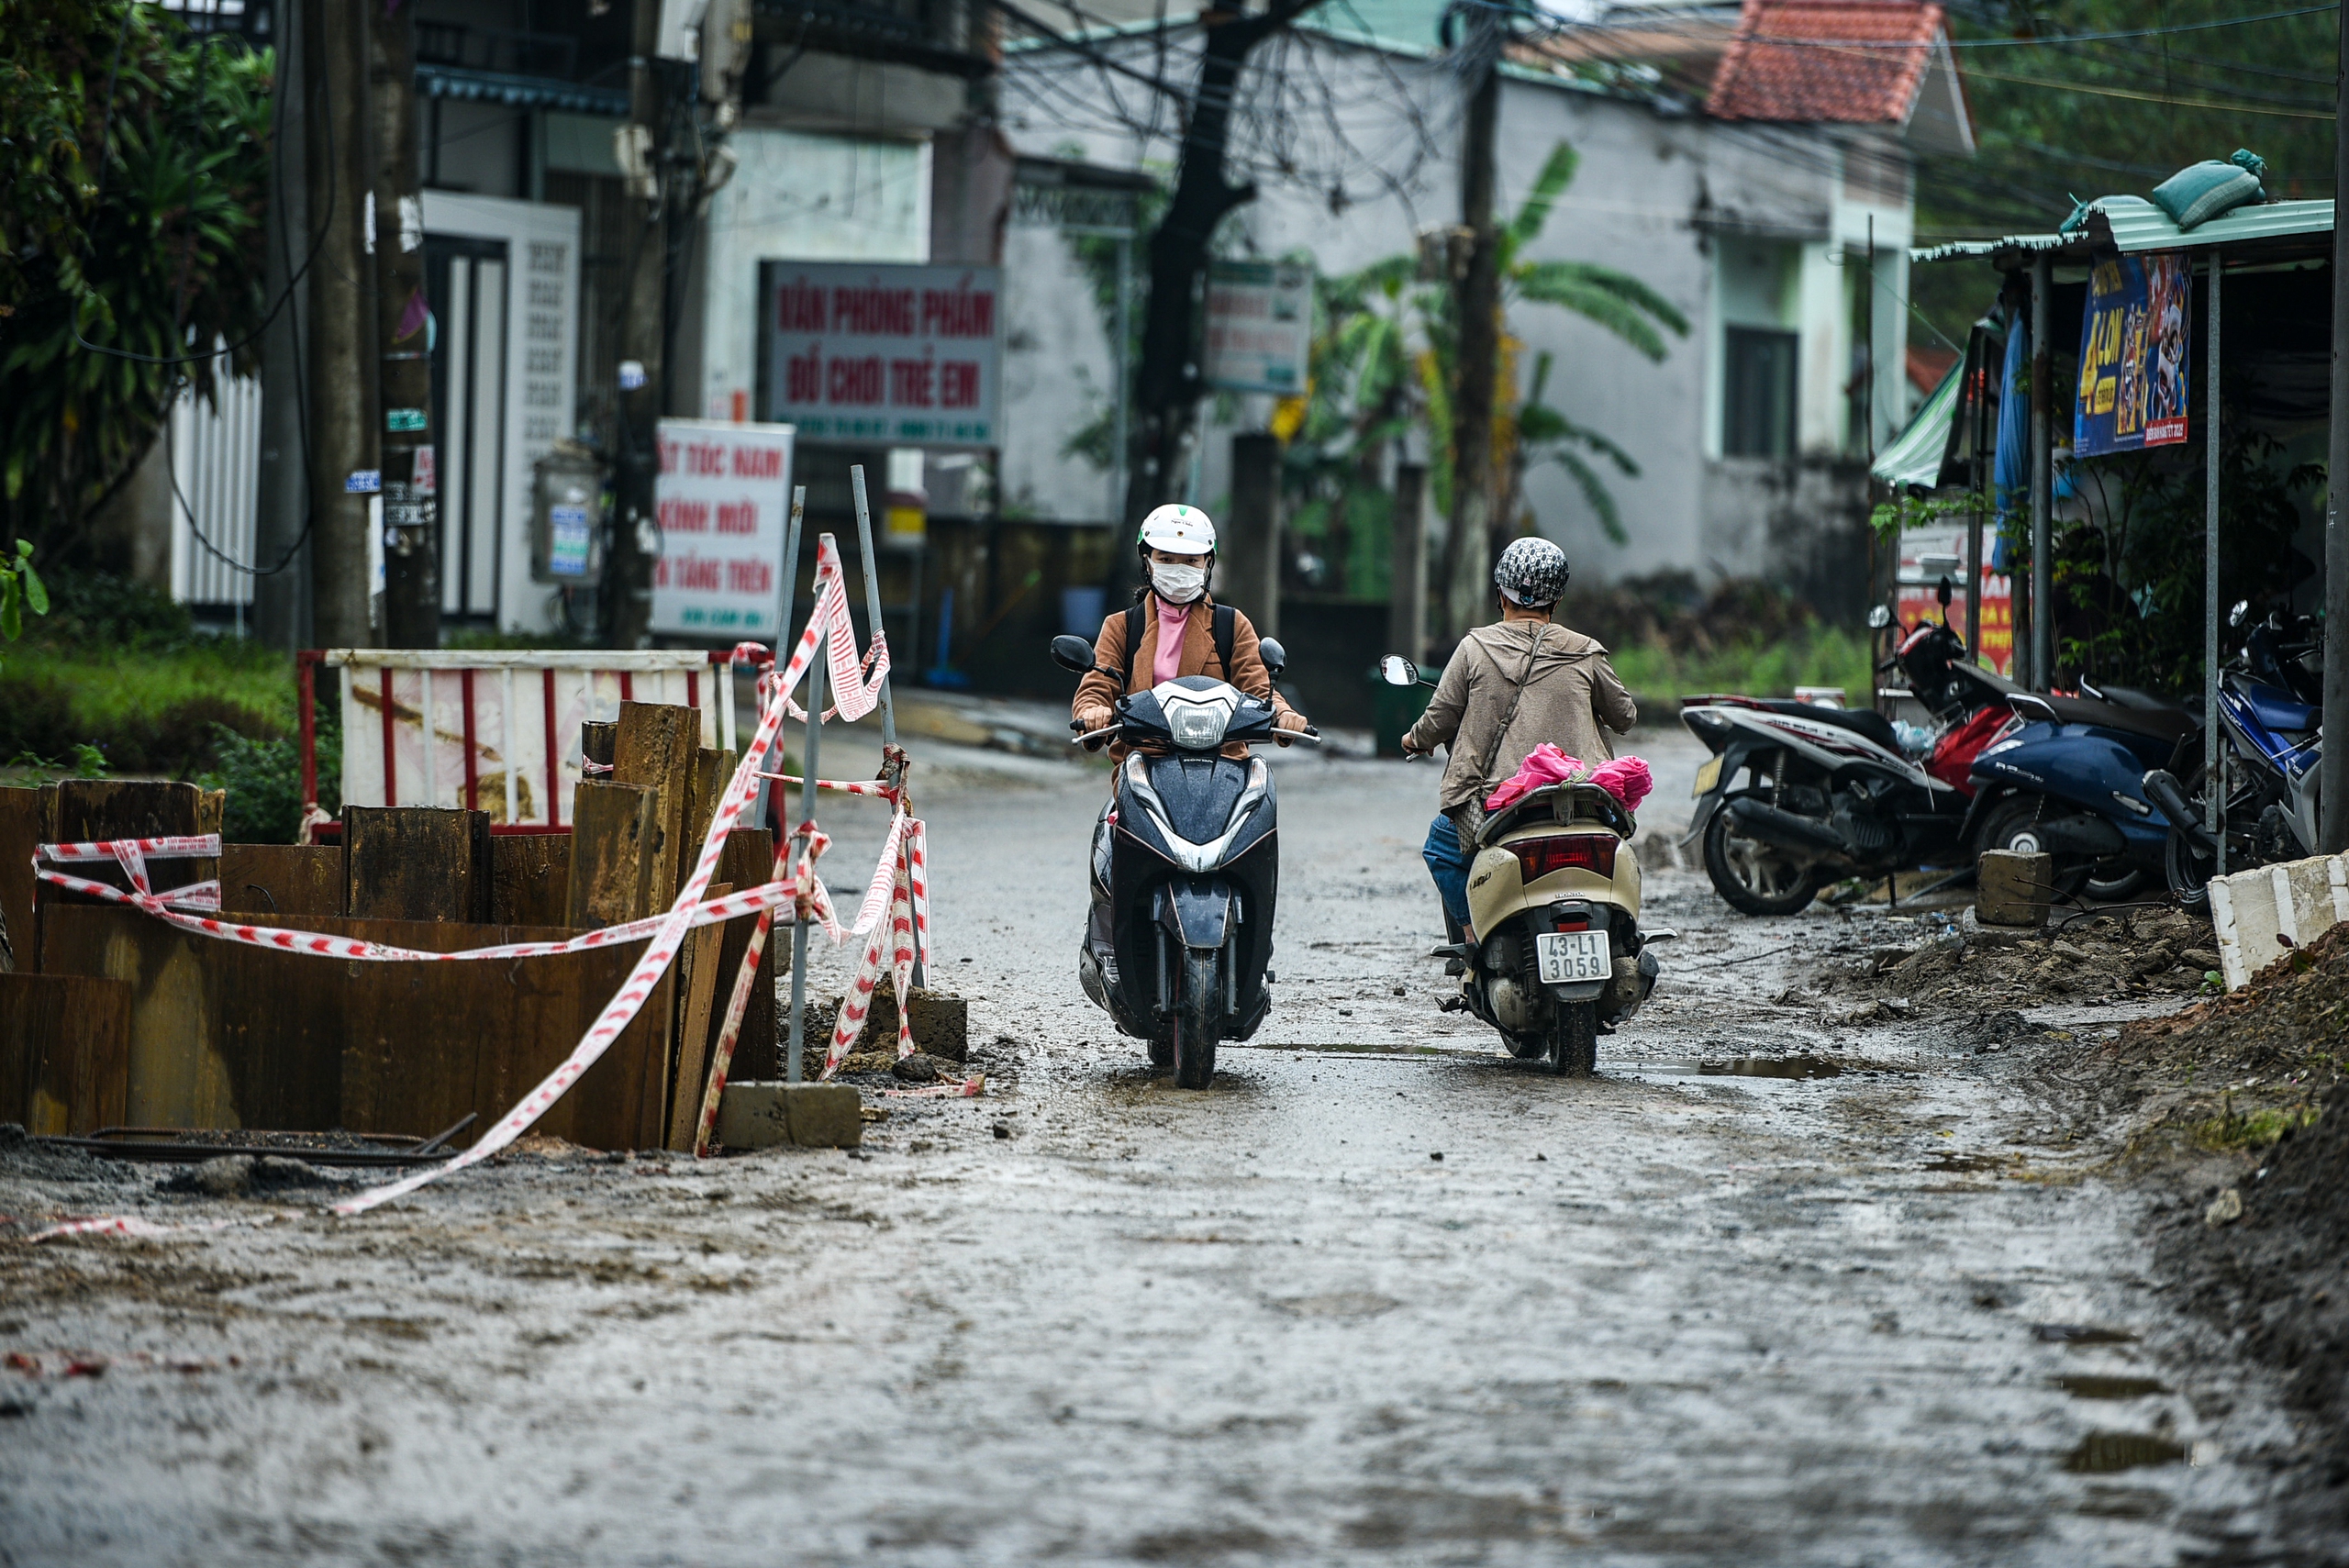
[(2243, 608), (1398, 671), (1944, 593), (1275, 657), (1879, 617), (1073, 653)]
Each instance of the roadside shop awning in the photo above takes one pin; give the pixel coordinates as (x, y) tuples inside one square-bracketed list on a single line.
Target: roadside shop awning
[(1914, 458), (2133, 224)]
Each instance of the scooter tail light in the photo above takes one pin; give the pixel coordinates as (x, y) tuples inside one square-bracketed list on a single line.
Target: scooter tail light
[(1594, 852)]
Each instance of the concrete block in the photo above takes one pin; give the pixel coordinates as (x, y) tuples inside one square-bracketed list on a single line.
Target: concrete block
[(806, 1116), (939, 1020), (2012, 889), (2261, 914)]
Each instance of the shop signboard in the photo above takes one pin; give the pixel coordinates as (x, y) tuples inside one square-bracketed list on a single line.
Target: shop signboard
[(1929, 554), (2134, 337), (722, 497), (887, 355), (1260, 327)]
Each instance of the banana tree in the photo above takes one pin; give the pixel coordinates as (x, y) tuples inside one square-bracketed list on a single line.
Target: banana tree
[(1385, 359)]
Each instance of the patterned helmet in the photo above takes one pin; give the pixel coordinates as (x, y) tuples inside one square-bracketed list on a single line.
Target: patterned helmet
[(1531, 573), (1178, 530)]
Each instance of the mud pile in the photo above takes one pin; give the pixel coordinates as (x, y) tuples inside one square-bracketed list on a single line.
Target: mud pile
[(2265, 1258), (1958, 967)]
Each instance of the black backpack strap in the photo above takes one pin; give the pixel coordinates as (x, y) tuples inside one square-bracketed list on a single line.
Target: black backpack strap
[(1134, 623), (1226, 624)]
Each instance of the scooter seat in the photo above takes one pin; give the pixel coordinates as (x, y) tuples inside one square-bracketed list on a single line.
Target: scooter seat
[(1863, 722), (2169, 722), (1559, 803)]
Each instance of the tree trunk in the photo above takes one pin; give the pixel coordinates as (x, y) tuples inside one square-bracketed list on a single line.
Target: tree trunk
[(1166, 380), (342, 381), (1478, 295), (403, 379), (627, 567)]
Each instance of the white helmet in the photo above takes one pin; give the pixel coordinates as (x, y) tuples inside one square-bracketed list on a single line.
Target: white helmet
[(1178, 530)]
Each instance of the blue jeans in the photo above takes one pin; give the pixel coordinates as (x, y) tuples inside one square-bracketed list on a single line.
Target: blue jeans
[(1449, 867)]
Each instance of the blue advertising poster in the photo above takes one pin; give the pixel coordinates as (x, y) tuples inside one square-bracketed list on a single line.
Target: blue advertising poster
[(2132, 355)]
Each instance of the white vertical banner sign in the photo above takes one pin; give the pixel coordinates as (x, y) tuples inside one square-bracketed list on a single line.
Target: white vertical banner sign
[(723, 495)]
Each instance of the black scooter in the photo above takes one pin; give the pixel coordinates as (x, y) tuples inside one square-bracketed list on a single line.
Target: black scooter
[(1185, 864)]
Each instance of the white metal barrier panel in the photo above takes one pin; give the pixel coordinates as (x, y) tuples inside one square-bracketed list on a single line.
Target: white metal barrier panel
[(497, 731)]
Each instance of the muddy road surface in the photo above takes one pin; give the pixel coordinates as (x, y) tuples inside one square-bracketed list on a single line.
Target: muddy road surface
[(1788, 1282)]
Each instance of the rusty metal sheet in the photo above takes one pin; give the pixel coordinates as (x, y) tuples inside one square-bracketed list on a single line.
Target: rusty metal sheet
[(282, 883), (64, 1052), (416, 863)]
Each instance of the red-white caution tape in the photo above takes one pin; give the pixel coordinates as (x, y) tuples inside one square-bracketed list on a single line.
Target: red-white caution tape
[(886, 792), (830, 614), (970, 1088)]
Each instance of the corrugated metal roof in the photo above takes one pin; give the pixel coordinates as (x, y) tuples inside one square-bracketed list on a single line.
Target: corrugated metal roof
[(2133, 224), (519, 92)]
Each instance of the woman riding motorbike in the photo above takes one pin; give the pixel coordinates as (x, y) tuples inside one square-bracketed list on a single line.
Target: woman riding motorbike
[(1175, 629), (1509, 688)]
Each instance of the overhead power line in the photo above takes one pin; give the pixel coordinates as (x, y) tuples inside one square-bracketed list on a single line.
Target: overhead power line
[(2212, 104)]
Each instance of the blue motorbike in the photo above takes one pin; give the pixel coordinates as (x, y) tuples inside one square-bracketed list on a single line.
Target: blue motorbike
[(2270, 704), (1185, 868), (2068, 779)]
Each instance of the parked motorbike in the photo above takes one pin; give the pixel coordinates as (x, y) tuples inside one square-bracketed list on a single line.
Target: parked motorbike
[(2270, 706), (1185, 867), (2068, 783), (1829, 792), (1554, 955)]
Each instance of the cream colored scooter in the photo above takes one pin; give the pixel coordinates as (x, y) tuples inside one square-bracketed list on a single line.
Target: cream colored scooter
[(1555, 953)]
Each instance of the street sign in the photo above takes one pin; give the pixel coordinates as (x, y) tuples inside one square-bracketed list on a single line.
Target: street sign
[(2133, 372), (1260, 325), (721, 500), (901, 355)]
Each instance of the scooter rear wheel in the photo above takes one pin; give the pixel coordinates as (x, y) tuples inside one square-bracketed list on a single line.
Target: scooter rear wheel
[(1197, 1010), (1574, 1043), (1753, 877)]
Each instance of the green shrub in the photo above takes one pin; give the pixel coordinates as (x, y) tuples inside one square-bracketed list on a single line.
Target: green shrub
[(263, 779)]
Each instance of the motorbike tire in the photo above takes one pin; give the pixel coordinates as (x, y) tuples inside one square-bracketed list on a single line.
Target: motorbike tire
[(2126, 882), (1784, 895), (1197, 1014), (1574, 1043), (2011, 826), (2186, 869)]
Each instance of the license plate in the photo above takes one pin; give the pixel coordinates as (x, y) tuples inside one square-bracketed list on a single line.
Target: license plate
[(1706, 778), (1569, 956)]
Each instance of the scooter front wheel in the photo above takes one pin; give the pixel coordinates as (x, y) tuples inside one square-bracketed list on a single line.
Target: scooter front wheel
[(1573, 1042), (1196, 1012)]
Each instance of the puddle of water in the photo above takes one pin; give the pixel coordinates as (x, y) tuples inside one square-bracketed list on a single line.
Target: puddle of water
[(2103, 1453), (2095, 1385), (2080, 1334), (1773, 1067)]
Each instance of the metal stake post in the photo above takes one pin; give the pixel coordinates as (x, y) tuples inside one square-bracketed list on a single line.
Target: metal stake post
[(2214, 746), (2042, 500), (872, 618), (791, 1071)]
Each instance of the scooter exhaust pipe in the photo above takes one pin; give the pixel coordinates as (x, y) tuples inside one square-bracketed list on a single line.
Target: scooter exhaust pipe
[(1762, 820), (2163, 789)]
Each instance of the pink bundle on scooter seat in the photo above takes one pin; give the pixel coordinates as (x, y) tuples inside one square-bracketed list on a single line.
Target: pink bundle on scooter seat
[(1625, 778)]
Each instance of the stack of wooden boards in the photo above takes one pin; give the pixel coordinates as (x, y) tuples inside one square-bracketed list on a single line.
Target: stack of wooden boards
[(117, 1018)]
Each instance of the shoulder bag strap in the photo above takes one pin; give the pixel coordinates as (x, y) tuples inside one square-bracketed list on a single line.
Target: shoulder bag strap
[(1226, 626), (1134, 623)]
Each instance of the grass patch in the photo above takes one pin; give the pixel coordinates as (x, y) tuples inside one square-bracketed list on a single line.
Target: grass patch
[(1815, 656), (2227, 1132), (145, 711)]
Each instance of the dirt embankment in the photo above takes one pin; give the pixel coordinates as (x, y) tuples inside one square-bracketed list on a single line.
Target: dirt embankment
[(1956, 966), (2241, 1110)]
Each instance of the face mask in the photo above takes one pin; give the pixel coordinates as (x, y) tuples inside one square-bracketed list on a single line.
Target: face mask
[(1178, 584)]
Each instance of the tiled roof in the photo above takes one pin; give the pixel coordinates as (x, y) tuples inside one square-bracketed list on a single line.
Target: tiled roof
[(1928, 364), (1855, 61)]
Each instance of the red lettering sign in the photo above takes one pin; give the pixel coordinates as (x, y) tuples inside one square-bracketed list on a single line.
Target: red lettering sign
[(685, 517)]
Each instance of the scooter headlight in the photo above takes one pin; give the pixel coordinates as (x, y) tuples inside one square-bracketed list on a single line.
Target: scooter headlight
[(1196, 727)]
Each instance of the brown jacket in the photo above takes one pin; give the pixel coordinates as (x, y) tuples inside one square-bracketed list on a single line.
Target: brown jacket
[(1247, 671), (1570, 690)]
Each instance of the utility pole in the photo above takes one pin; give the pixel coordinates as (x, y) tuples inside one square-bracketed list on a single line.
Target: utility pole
[(346, 538), (281, 600), (627, 567), (2332, 777), (411, 503), (1477, 294)]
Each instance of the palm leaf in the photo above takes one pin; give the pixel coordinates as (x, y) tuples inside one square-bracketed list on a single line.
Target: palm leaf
[(1557, 174)]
